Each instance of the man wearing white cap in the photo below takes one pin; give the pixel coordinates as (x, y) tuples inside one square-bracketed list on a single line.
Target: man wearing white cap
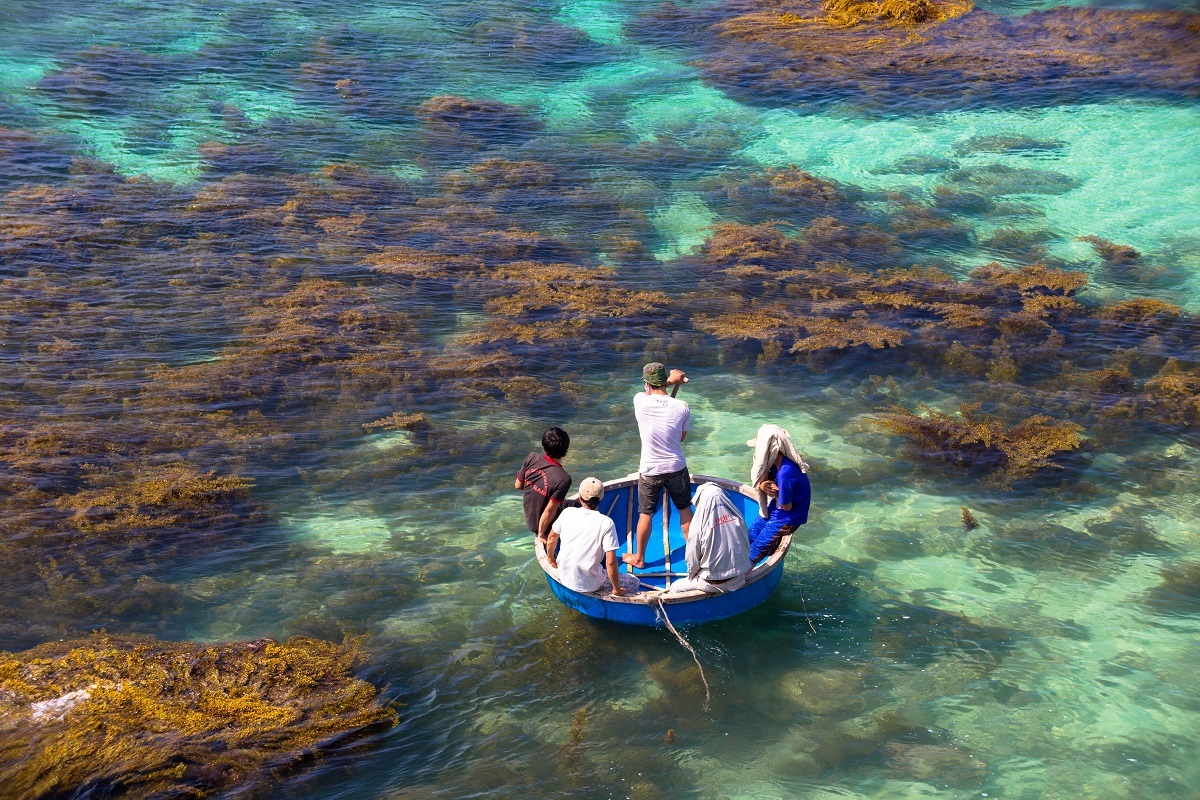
[(587, 546)]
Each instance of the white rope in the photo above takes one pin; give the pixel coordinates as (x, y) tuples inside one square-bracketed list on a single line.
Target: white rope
[(661, 608)]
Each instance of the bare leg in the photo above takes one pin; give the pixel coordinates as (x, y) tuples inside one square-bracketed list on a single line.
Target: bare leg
[(685, 521), (638, 557)]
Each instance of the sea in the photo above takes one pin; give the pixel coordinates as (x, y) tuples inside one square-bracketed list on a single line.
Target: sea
[(936, 634)]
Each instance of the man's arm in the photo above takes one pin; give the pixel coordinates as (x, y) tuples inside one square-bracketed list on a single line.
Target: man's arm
[(519, 483), (610, 562), (785, 488), (547, 519), (551, 547), (675, 380)]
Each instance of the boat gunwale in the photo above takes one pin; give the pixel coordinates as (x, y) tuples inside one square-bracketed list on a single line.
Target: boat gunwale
[(657, 596)]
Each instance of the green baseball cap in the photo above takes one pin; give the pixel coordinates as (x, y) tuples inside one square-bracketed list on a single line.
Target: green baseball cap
[(654, 374)]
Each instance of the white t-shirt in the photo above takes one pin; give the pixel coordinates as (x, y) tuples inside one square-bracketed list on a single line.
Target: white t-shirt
[(662, 421), (584, 537)]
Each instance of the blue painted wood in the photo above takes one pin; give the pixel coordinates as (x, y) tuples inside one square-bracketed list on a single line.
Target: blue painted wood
[(620, 503), (708, 609)]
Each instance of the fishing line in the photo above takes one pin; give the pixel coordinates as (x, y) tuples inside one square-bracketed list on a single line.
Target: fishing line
[(663, 616)]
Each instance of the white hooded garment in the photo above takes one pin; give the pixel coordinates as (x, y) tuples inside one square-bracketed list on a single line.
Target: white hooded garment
[(768, 444), (718, 545)]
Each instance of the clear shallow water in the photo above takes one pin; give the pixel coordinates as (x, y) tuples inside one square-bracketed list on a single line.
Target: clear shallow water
[(903, 656)]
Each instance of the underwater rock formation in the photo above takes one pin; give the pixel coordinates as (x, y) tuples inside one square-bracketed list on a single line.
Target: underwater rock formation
[(923, 635), (922, 56), (939, 763), (140, 718), (823, 692)]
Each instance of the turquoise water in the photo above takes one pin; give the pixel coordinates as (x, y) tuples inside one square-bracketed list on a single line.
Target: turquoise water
[(169, 191)]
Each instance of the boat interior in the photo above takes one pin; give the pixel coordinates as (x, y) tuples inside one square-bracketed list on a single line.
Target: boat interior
[(665, 548)]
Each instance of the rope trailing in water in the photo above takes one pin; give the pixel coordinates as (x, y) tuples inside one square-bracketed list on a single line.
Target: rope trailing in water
[(807, 618), (661, 613)]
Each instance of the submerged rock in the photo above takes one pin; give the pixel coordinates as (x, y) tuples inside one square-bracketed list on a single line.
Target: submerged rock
[(139, 718), (1006, 143), (918, 165), (889, 543), (937, 763), (994, 180), (921, 635), (823, 691), (1179, 590)]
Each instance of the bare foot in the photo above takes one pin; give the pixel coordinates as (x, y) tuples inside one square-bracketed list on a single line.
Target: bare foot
[(634, 560)]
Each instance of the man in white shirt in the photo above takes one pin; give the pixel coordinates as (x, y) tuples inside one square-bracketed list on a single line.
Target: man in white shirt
[(586, 540), (663, 422)]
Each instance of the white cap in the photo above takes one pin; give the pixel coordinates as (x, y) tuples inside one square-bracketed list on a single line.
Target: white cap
[(591, 489)]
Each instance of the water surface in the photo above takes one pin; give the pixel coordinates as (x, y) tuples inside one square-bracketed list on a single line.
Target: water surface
[(180, 177)]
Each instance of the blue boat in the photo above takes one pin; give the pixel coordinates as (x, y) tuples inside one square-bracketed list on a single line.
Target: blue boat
[(665, 563)]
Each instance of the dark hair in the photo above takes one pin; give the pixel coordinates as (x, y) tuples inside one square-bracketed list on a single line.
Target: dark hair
[(592, 503), (556, 442)]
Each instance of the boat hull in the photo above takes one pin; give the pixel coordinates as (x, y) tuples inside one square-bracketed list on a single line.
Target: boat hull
[(690, 612), (655, 606)]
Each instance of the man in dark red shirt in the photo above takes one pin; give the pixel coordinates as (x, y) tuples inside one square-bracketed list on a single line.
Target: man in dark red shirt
[(545, 482)]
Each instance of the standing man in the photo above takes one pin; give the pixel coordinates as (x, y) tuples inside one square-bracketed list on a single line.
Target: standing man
[(663, 423), (545, 482), (587, 559)]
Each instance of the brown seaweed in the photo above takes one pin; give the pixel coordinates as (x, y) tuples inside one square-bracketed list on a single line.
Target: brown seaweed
[(851, 13), (147, 718), (457, 124), (977, 441), (928, 55), (968, 520)]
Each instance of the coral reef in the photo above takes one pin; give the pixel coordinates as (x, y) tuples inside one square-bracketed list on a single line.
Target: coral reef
[(144, 718)]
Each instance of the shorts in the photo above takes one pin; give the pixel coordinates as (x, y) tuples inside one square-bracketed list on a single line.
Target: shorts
[(679, 485)]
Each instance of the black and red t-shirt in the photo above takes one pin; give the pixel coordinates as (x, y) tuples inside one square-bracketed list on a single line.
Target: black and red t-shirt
[(545, 480)]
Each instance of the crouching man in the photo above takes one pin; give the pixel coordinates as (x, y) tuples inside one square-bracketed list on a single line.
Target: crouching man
[(587, 546), (718, 549)]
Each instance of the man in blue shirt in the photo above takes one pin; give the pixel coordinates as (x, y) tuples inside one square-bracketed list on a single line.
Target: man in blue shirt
[(790, 494)]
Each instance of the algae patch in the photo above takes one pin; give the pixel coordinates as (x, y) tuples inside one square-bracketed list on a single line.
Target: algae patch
[(136, 717)]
